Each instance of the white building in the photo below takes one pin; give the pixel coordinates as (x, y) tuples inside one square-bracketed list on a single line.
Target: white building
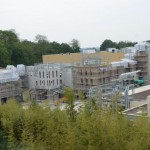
[(112, 50), (48, 79), (44, 76)]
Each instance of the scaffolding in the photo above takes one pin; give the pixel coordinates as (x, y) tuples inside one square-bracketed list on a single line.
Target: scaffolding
[(10, 83), (142, 57), (119, 88), (112, 94), (10, 90), (87, 75)]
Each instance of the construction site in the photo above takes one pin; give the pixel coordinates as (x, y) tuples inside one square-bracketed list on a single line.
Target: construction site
[(105, 73), (10, 83), (108, 74)]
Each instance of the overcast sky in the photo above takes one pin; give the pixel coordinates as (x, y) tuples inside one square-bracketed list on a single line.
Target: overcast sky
[(89, 21)]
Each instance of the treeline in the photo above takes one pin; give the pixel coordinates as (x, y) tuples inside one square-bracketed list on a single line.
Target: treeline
[(110, 44), (15, 51), (40, 128)]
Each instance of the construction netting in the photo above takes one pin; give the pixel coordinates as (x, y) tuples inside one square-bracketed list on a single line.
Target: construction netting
[(145, 46), (123, 63), (9, 74), (21, 69)]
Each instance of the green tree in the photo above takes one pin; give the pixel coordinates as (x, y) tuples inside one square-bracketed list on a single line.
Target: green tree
[(42, 47), (64, 48), (4, 55), (123, 44), (75, 45), (23, 53), (10, 38), (70, 99), (40, 38), (107, 44)]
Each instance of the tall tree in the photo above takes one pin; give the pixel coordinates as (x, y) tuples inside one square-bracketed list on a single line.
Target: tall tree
[(123, 44), (75, 45), (24, 53), (65, 48), (4, 54), (40, 38), (107, 44), (10, 38)]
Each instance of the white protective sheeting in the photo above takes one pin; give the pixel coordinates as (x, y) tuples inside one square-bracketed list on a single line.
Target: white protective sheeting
[(9, 74), (88, 51), (129, 50), (145, 46), (129, 55), (125, 62), (128, 75), (11, 68), (132, 62), (120, 63), (21, 69)]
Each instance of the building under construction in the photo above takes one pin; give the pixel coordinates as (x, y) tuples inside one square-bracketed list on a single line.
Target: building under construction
[(10, 83), (143, 60), (94, 71)]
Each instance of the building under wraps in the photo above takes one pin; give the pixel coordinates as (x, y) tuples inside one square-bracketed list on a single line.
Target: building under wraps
[(10, 83)]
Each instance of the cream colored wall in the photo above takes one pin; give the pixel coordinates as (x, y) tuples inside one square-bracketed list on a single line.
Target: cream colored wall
[(76, 57)]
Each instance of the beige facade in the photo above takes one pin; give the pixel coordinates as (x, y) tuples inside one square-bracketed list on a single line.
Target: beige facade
[(77, 57), (86, 76)]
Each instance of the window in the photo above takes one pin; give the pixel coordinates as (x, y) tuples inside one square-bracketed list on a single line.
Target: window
[(90, 72), (91, 80), (49, 75), (60, 74), (56, 73), (60, 81), (53, 74), (49, 82), (81, 72), (103, 80), (57, 81), (86, 81), (36, 83), (40, 74), (53, 82), (85, 72), (40, 82), (43, 74), (81, 81)]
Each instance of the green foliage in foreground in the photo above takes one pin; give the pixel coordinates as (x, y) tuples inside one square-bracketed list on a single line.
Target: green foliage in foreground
[(42, 129)]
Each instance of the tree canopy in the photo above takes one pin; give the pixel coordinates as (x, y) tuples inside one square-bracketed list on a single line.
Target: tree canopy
[(121, 44), (90, 129), (108, 44), (15, 51)]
